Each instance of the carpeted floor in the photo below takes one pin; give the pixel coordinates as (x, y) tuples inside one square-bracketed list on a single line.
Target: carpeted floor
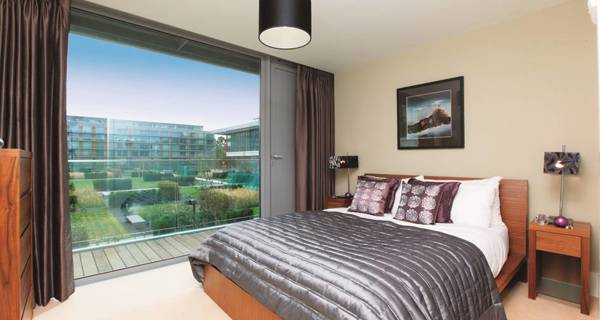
[(172, 293)]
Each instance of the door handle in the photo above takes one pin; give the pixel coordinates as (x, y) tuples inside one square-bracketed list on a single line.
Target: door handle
[(277, 157)]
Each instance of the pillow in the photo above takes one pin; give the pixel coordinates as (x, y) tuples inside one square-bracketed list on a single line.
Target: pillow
[(396, 201), (473, 205), (371, 195), (421, 202), (470, 204), (394, 186)]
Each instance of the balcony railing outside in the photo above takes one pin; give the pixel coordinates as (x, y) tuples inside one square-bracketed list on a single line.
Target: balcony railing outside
[(115, 201)]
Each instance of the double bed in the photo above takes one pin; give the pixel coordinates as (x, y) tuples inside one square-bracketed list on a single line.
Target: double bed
[(336, 264)]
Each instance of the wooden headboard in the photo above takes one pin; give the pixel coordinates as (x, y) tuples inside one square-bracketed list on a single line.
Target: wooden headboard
[(514, 205)]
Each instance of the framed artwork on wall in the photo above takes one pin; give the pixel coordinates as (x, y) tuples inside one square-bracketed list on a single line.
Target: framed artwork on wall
[(431, 115)]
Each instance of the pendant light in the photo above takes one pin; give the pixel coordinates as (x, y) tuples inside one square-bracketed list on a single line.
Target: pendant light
[(284, 24)]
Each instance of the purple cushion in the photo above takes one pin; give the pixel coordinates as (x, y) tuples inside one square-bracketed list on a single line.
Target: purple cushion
[(426, 202), (394, 185), (371, 195), (449, 191)]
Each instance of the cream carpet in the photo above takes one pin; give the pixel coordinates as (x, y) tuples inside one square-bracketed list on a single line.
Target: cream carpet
[(172, 293)]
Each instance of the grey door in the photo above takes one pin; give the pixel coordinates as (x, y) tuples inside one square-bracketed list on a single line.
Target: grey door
[(278, 188)]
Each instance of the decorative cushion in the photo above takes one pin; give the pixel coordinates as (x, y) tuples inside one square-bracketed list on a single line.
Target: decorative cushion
[(394, 186), (422, 202), (371, 195), (396, 201)]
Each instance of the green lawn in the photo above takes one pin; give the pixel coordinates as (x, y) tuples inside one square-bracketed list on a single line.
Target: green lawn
[(80, 184), (95, 226), (189, 192)]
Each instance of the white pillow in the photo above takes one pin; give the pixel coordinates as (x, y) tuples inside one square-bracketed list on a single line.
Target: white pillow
[(470, 193), (399, 194), (473, 205)]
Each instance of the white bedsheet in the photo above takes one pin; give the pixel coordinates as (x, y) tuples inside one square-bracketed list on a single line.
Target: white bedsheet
[(493, 242)]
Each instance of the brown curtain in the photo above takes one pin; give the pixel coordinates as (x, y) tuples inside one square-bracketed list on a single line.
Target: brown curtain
[(33, 58), (315, 137)]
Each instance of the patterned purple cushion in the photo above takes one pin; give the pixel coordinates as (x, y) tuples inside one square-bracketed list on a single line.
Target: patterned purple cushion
[(371, 195), (423, 202), (394, 185)]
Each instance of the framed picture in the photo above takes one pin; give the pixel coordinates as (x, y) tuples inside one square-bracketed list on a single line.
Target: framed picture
[(431, 115)]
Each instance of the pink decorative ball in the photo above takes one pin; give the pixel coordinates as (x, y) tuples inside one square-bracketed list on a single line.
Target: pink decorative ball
[(561, 221)]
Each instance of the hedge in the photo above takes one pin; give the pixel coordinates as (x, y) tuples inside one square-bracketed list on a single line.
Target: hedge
[(136, 174), (138, 197), (156, 176), (95, 175), (184, 181), (112, 184)]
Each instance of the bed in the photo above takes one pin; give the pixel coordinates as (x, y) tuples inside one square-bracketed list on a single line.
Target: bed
[(239, 304)]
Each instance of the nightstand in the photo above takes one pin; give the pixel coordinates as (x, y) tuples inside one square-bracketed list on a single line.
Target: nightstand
[(337, 202), (574, 243)]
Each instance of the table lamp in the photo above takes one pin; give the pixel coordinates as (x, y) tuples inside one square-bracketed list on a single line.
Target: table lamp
[(344, 162), (563, 164)]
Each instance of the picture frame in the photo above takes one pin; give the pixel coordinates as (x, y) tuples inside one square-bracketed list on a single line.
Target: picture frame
[(431, 115)]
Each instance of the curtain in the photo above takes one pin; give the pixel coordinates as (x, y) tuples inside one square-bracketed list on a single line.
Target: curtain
[(315, 138), (33, 57)]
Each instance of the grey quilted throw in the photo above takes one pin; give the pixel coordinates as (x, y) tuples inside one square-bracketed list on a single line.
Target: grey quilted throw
[(326, 265)]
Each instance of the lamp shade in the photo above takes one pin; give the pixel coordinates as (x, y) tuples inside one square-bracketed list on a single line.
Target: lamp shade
[(343, 162), (562, 163), (284, 24)]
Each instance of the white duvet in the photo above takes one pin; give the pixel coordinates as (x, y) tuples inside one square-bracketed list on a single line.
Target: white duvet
[(493, 242)]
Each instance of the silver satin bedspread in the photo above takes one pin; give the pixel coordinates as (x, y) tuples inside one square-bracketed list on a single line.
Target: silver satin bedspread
[(325, 265)]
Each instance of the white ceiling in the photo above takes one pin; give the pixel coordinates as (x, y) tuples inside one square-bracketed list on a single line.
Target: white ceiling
[(345, 32)]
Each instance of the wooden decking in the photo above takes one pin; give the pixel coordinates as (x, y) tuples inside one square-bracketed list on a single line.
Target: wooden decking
[(97, 261)]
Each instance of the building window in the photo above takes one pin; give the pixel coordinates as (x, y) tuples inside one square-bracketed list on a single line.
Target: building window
[(163, 142)]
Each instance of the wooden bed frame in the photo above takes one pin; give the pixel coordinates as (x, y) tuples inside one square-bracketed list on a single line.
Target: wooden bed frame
[(514, 201)]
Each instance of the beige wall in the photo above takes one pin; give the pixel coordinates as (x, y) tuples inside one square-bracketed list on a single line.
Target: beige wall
[(530, 86)]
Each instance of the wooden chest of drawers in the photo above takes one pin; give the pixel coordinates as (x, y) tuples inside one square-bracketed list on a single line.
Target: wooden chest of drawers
[(16, 263)]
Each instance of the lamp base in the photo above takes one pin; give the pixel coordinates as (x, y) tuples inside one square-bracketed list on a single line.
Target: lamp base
[(561, 221)]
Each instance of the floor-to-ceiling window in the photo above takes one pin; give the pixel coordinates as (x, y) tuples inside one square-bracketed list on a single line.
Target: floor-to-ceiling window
[(163, 142)]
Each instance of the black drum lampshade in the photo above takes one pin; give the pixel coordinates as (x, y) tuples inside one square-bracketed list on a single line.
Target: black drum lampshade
[(284, 24)]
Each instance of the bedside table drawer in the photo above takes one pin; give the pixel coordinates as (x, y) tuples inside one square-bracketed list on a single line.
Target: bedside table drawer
[(338, 202), (557, 243)]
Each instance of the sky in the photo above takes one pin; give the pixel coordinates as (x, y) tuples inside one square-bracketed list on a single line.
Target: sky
[(111, 80)]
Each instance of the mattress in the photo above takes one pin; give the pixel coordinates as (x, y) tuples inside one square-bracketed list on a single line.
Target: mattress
[(493, 242)]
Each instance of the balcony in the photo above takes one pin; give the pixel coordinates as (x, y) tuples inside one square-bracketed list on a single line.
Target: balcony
[(89, 262)]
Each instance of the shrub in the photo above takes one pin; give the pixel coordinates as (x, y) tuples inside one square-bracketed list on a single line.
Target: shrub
[(184, 180), (156, 176), (214, 202), (136, 174), (243, 198), (88, 199), (167, 215), (95, 175), (168, 191), (118, 199), (151, 176), (112, 184)]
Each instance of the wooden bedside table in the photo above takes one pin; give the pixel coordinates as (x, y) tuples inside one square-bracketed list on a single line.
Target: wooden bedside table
[(337, 202), (574, 243)]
